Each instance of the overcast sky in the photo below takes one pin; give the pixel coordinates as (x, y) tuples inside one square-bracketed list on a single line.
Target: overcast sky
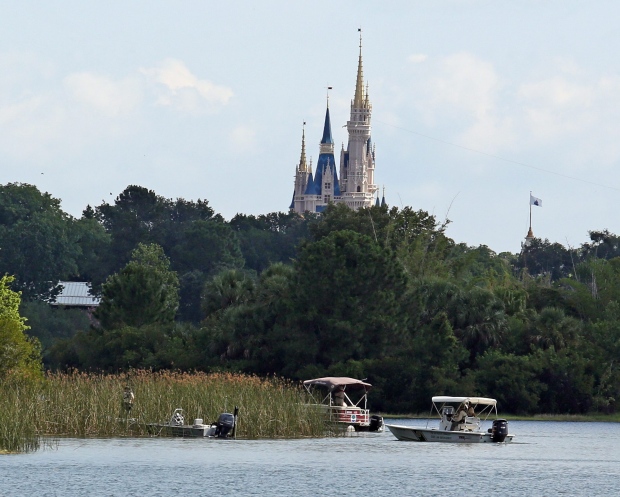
[(475, 104)]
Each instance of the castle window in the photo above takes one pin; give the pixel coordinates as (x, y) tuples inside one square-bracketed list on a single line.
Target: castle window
[(328, 186), (359, 189)]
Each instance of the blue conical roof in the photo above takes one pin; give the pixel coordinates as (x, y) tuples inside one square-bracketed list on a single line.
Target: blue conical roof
[(311, 188), (327, 129)]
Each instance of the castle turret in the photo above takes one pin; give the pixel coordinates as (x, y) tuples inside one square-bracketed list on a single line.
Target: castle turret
[(357, 162), (303, 174)]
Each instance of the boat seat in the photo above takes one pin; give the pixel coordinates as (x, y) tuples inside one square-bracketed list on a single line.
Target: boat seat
[(471, 424)]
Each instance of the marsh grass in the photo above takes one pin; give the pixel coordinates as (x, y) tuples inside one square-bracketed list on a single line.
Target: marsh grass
[(90, 405), (17, 432)]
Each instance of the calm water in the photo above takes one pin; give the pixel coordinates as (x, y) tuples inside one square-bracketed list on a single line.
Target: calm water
[(549, 459)]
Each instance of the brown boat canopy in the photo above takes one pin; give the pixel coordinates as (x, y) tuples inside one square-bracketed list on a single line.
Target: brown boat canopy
[(331, 382)]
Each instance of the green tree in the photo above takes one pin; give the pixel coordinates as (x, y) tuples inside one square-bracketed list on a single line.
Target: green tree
[(207, 246), (20, 356), (139, 215), (553, 329), (92, 261), (541, 257), (37, 245), (229, 288), (511, 379), (604, 245), (347, 293), (144, 292), (134, 218), (271, 238), (248, 321)]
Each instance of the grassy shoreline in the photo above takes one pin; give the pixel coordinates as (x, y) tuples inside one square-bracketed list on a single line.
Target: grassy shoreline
[(90, 405)]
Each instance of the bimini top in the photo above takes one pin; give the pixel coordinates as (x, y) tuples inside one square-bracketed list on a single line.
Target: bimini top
[(471, 400), (332, 382)]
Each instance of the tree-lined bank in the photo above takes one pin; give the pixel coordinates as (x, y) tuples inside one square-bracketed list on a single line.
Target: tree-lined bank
[(380, 293)]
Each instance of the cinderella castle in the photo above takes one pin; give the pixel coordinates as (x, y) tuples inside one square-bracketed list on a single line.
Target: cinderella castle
[(354, 185)]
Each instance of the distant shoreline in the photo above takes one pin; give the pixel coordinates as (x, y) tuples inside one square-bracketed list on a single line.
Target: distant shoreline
[(607, 418)]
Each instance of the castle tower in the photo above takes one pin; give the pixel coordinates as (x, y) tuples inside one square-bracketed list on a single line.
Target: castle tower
[(303, 175), (357, 163)]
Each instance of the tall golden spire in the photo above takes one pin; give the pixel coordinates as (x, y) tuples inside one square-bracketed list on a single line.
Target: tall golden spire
[(359, 84), (302, 159)]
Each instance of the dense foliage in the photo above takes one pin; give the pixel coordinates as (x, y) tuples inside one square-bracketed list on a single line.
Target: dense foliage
[(19, 354), (380, 293)]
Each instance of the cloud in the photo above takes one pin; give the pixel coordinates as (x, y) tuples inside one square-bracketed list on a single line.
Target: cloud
[(580, 111), (111, 98), (177, 87), (464, 83), (31, 126), (44, 115), (417, 58), (463, 91), (566, 113)]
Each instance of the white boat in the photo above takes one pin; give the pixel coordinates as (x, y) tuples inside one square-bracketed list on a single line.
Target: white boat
[(460, 425), (224, 427), (345, 402)]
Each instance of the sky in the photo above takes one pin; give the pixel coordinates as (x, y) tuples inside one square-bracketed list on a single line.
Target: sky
[(476, 103)]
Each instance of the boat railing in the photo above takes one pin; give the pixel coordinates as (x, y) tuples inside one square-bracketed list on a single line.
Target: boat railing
[(349, 414), (345, 414)]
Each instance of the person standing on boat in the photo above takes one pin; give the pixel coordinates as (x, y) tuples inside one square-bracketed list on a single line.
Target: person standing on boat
[(338, 396), (128, 398), (459, 417)]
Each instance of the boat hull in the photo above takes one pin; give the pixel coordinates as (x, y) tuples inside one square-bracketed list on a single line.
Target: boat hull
[(414, 434), (187, 431)]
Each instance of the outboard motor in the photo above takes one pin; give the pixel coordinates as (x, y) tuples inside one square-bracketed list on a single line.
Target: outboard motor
[(499, 431), (225, 423), (376, 423)]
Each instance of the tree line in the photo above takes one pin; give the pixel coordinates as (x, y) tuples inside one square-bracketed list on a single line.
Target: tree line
[(380, 293)]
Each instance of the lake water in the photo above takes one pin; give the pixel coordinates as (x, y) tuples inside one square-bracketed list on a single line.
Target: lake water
[(546, 459)]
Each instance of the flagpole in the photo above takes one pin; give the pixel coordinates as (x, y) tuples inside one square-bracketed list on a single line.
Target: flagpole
[(530, 211)]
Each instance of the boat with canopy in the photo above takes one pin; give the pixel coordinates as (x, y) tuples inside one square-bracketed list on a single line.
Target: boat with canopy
[(345, 401), (461, 420)]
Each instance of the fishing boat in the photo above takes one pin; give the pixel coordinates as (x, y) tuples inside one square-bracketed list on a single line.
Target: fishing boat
[(345, 402), (224, 427), (461, 420)]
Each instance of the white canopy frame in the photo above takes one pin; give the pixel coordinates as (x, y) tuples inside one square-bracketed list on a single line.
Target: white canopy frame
[(331, 383), (490, 405)]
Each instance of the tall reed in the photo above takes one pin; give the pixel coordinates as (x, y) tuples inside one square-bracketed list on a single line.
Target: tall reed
[(90, 405), (17, 430)]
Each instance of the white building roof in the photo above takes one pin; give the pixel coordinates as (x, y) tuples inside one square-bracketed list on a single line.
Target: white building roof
[(76, 293)]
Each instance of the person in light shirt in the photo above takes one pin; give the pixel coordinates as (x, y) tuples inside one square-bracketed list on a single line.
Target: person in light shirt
[(460, 416), (128, 398)]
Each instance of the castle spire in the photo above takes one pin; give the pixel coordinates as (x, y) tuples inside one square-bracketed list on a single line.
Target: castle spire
[(327, 128), (302, 160), (358, 100)]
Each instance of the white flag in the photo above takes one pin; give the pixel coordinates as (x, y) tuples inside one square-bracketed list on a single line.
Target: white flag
[(535, 201)]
